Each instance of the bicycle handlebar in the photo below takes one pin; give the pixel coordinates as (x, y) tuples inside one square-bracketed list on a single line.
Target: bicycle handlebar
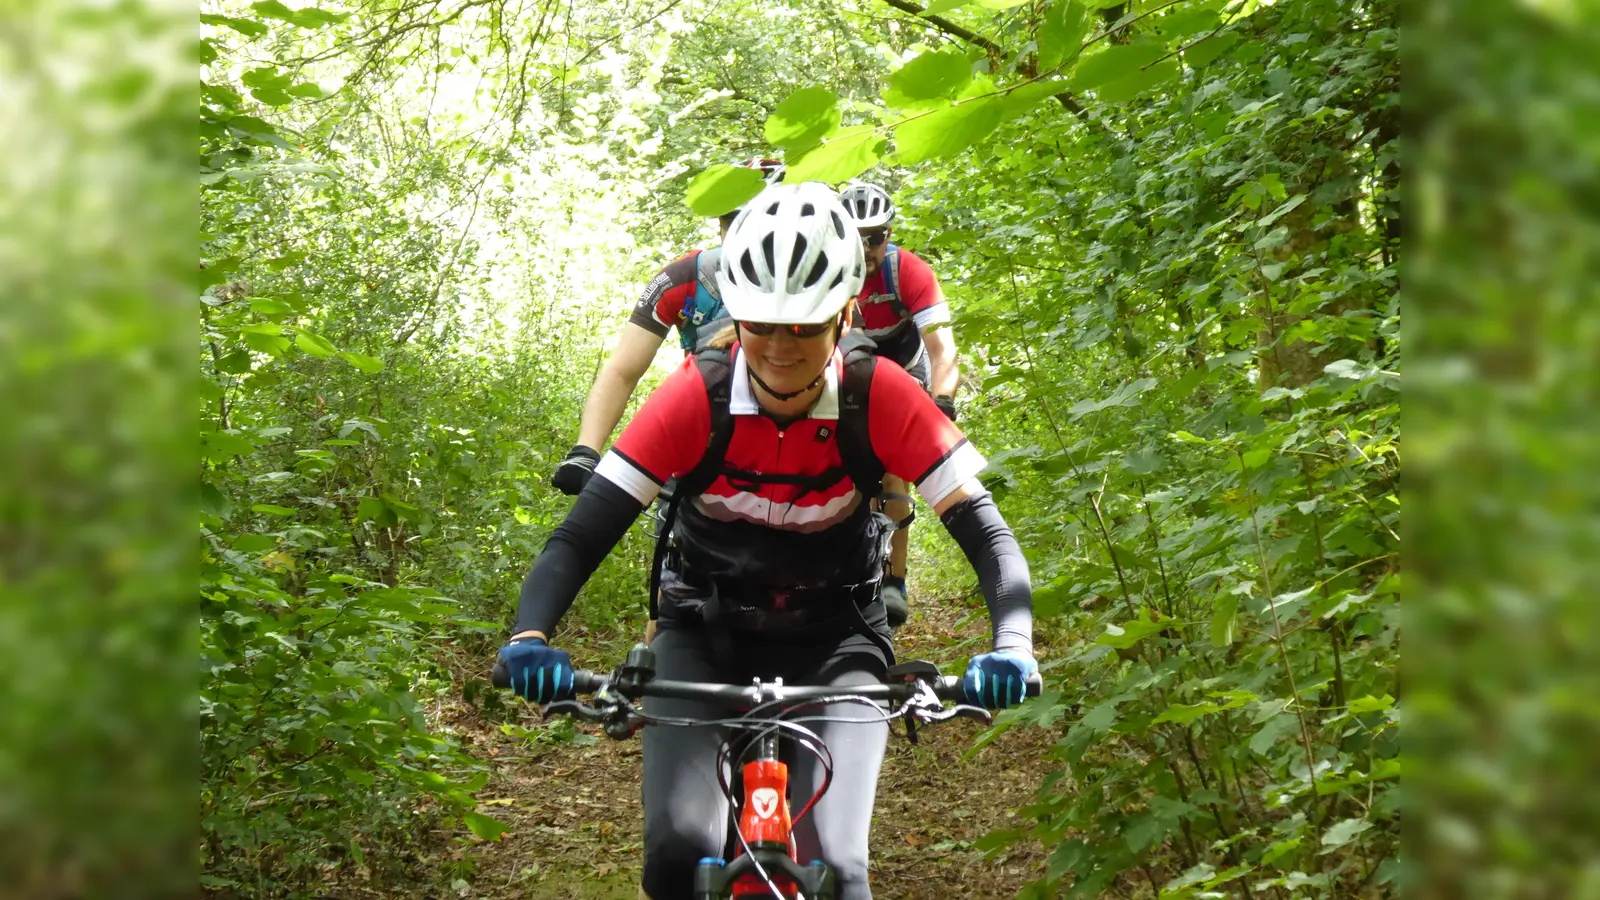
[(584, 681)]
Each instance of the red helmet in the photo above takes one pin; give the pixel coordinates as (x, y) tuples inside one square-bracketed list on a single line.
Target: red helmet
[(771, 169)]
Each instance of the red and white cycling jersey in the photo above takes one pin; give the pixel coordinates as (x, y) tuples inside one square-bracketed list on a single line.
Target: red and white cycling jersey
[(660, 306), (667, 437), (898, 335)]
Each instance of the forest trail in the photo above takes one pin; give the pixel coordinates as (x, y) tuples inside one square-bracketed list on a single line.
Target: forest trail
[(572, 804)]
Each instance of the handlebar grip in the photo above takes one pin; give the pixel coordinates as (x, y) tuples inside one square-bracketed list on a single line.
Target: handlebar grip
[(583, 680)]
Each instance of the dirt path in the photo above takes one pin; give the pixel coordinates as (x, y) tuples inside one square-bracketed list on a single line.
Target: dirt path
[(571, 800)]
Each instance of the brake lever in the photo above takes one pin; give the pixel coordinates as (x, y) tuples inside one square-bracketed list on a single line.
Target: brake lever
[(941, 714), (575, 709)]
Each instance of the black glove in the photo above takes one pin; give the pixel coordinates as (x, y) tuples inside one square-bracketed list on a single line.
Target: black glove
[(575, 470), (947, 405)]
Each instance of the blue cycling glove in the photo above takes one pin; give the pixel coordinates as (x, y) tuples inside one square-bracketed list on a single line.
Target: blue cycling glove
[(997, 680), (539, 672)]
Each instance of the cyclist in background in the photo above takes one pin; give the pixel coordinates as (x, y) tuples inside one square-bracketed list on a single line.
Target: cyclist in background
[(682, 295), (777, 560), (904, 311)]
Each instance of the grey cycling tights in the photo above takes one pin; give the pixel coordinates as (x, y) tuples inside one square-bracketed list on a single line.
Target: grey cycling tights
[(685, 813)]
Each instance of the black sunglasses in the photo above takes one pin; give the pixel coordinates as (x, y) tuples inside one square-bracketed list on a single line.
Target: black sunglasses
[(765, 329), (874, 238)]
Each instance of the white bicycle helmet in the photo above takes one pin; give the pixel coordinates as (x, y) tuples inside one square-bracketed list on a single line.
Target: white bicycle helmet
[(791, 257), (869, 205)]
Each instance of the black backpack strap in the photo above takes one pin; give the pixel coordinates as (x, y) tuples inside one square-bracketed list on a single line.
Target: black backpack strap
[(855, 440), (714, 366)]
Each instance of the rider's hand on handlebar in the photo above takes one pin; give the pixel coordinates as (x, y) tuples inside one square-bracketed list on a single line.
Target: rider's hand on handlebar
[(539, 672), (575, 470), (998, 679)]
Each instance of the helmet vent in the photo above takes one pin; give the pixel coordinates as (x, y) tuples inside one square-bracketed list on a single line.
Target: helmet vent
[(749, 267), (772, 210), (771, 256), (837, 279), (799, 254), (838, 225), (808, 210), (817, 271)]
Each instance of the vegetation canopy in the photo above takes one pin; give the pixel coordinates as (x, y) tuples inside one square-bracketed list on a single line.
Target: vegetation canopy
[(1169, 233)]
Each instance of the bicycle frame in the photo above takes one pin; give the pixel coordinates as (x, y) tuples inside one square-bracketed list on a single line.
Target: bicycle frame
[(766, 828)]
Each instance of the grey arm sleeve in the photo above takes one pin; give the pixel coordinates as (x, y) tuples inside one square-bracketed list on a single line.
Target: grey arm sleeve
[(992, 550), (598, 520)]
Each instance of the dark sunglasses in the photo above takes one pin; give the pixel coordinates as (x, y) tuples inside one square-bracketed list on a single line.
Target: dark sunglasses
[(765, 329), (874, 238)]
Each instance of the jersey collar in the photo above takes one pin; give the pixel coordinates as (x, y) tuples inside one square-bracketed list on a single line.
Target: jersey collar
[(742, 399)]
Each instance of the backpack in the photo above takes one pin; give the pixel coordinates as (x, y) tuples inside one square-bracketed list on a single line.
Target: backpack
[(891, 281), (705, 306), (858, 461)]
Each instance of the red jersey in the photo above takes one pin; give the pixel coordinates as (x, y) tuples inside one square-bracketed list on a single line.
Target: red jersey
[(668, 436), (898, 335)]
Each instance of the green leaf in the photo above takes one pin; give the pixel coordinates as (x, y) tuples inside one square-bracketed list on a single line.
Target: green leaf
[(271, 96), (1209, 49), (801, 120), (1225, 621), (1101, 718), (938, 73), (213, 501), (939, 6), (1343, 833), (1061, 34), (1125, 89), (270, 344), (841, 157), (1275, 728), (269, 509), (1126, 395), (1370, 704), (246, 27), (486, 827), (1024, 98), (235, 363), (272, 9), (367, 364), (1130, 633), (307, 90), (1184, 713), (723, 189), (314, 345), (1114, 64), (1000, 4), (1279, 851), (1186, 22), (1288, 205), (316, 18), (948, 131), (374, 509)]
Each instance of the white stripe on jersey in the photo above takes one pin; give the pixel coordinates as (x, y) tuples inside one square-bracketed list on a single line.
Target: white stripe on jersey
[(937, 314), (786, 516), (624, 474), (964, 463)]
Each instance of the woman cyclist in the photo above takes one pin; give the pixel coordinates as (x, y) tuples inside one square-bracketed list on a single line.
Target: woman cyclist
[(775, 564)]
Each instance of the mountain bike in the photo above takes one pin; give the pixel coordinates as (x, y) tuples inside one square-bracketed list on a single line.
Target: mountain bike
[(764, 863)]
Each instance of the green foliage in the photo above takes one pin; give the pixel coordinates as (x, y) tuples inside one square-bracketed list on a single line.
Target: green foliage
[(1170, 236)]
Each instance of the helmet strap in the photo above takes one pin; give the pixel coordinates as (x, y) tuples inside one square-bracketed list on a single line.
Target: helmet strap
[(786, 395)]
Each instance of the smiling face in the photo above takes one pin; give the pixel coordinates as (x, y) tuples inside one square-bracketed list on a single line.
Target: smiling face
[(875, 245), (784, 362)]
